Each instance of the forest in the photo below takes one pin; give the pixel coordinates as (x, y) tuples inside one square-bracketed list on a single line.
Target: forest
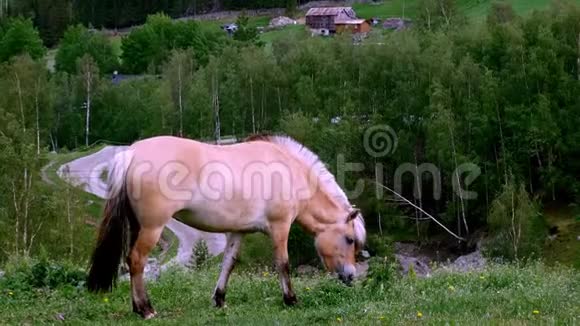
[(53, 16), (500, 96)]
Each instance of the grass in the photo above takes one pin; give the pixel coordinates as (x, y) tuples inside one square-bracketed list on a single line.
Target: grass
[(470, 8), (94, 206), (289, 31), (498, 295), (564, 248)]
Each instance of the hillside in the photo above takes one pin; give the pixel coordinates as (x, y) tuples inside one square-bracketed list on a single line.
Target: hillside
[(470, 8)]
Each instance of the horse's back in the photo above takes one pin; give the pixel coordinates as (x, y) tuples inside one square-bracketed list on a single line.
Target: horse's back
[(214, 182)]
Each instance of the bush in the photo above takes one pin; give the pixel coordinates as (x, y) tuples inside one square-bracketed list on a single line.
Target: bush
[(201, 254), (382, 271), (516, 227), (381, 246), (77, 42), (29, 275)]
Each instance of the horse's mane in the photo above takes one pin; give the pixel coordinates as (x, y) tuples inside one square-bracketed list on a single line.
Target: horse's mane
[(326, 179)]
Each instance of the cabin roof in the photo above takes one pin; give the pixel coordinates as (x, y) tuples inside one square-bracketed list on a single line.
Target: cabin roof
[(330, 11), (349, 21)]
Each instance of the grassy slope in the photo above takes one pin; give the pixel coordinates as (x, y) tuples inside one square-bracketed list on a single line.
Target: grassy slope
[(94, 208), (565, 248), (501, 294), (470, 8)]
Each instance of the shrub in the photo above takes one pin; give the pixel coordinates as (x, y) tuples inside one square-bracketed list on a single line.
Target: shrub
[(200, 254), (516, 226), (380, 246), (28, 275), (382, 271)]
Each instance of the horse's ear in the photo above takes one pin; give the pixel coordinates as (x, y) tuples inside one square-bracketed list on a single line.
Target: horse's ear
[(352, 215)]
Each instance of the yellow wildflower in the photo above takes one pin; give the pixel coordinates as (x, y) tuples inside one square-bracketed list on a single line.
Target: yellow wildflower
[(382, 317), (482, 277), (419, 314), (339, 319), (307, 289), (265, 274), (451, 288), (105, 299), (10, 293), (536, 312)]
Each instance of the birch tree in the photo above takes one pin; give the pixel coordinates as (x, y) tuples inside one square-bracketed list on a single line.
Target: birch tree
[(88, 75)]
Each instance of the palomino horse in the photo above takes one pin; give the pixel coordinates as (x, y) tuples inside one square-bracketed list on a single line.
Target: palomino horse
[(261, 185)]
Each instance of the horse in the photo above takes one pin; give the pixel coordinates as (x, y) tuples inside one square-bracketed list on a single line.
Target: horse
[(263, 184)]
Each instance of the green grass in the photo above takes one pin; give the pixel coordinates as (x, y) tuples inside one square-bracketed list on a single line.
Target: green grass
[(498, 295), (564, 249), (116, 42), (470, 8), (94, 208), (289, 31)]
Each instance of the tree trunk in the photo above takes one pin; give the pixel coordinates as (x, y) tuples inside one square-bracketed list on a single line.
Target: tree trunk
[(252, 105), (216, 109), (180, 100), (88, 82), (37, 119), (20, 103)]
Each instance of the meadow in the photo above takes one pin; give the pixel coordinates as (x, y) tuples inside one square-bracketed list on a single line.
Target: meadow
[(499, 294)]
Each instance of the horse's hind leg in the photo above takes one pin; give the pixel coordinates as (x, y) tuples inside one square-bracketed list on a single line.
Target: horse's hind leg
[(231, 251), (137, 258)]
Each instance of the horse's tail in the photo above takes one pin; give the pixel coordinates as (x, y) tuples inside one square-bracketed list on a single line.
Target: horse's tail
[(118, 226)]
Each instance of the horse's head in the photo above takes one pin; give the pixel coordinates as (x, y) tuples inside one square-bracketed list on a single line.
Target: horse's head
[(338, 244)]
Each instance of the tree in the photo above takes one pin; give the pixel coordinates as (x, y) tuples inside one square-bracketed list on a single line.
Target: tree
[(501, 12), (88, 74), (77, 42), (148, 47), (21, 37), (178, 73), (246, 32)]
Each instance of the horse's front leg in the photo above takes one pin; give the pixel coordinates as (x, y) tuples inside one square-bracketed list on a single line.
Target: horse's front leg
[(231, 251), (279, 236)]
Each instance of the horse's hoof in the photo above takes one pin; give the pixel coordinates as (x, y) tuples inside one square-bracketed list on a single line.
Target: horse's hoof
[(290, 300), (149, 315), (219, 299)]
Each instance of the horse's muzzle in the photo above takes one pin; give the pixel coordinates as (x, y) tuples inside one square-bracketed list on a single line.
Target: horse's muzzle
[(346, 274)]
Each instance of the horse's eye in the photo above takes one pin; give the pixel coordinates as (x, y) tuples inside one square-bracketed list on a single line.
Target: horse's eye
[(349, 240)]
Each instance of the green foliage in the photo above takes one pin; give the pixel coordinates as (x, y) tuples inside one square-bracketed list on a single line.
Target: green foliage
[(200, 254), (77, 42), (246, 33), (382, 272), (256, 251), (380, 246), (147, 48), (301, 249), (20, 37), (27, 275), (515, 225)]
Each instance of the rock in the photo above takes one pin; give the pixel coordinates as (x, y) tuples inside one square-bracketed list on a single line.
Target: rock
[(396, 23), (281, 21), (151, 272), (362, 269), (469, 262), (420, 267), (365, 254), (306, 270)]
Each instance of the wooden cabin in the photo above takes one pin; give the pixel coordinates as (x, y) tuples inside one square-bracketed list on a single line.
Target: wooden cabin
[(324, 21), (354, 26)]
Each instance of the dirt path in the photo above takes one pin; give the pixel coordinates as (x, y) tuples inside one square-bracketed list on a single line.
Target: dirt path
[(87, 172)]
